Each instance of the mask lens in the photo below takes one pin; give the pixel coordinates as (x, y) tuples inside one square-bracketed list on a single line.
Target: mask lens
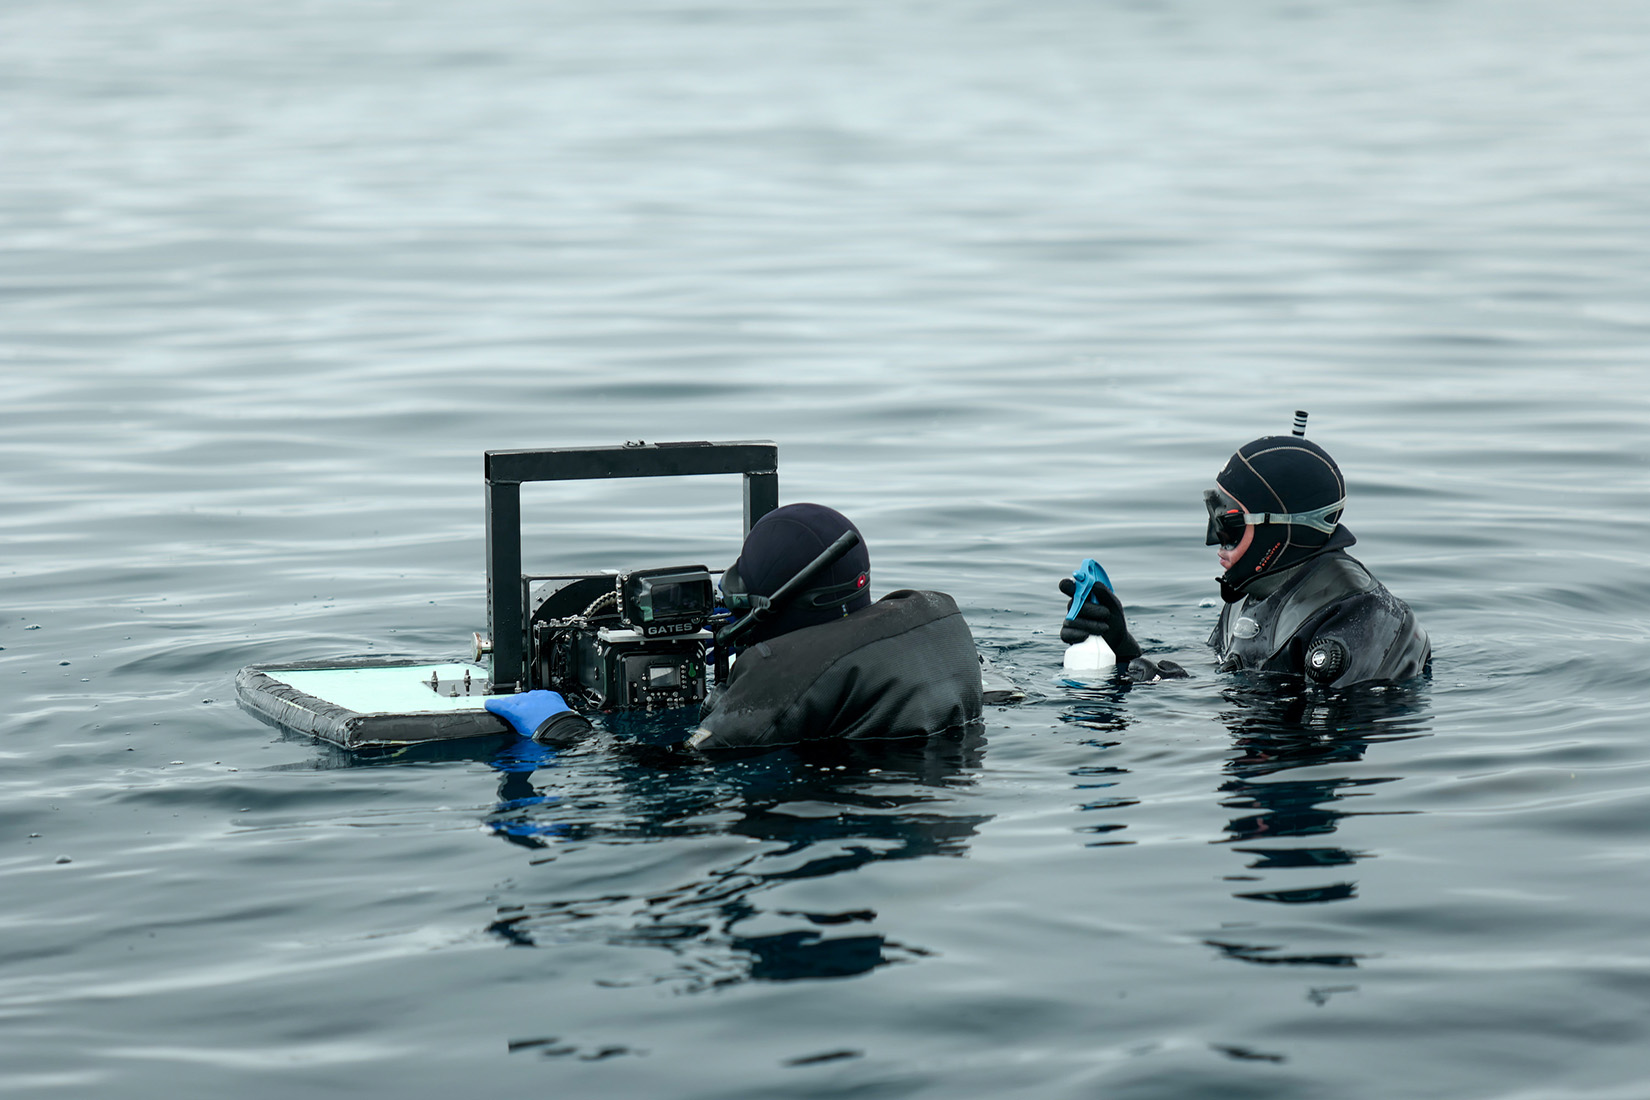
[(1225, 519), (734, 596)]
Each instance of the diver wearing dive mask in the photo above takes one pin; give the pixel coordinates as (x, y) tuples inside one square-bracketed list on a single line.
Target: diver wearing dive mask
[(1294, 600), (828, 663)]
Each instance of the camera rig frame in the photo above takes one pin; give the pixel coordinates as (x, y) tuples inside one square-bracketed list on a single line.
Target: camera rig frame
[(509, 603)]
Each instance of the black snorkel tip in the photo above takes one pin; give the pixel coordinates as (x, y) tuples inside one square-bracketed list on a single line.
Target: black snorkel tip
[(1300, 423)]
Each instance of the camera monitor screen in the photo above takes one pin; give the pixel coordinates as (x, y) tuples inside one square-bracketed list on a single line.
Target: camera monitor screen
[(673, 596)]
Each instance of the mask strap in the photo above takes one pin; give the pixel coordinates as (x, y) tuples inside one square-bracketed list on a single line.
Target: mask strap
[(1317, 519), (836, 593)]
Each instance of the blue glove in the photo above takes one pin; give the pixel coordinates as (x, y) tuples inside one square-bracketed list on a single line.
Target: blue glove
[(1095, 609), (1087, 576), (542, 715)]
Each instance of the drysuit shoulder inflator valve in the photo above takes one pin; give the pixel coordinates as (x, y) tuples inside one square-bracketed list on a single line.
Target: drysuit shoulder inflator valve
[(1326, 660)]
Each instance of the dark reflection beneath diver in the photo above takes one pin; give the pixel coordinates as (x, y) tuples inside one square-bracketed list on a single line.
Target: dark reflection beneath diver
[(1276, 731), (819, 812), (1097, 708), (888, 800)]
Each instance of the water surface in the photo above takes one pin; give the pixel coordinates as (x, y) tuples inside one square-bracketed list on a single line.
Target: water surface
[(1006, 283)]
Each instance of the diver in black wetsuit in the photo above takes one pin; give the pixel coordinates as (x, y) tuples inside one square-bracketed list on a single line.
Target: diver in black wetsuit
[(820, 664), (1295, 601), (830, 664)]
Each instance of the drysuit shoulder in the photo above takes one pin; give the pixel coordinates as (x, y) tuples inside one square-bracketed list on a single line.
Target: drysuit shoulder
[(904, 666), (1376, 636), (1333, 623)]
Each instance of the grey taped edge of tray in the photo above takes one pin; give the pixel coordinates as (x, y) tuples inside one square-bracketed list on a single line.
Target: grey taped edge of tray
[(285, 707)]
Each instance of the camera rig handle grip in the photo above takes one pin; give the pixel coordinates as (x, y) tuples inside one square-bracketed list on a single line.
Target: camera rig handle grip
[(770, 606), (506, 471)]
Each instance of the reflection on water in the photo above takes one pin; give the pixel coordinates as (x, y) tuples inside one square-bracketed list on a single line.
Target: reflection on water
[(516, 817), (1276, 731), (1098, 708), (818, 813), (278, 275)]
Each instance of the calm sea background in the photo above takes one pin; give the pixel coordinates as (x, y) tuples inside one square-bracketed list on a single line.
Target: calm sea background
[(1006, 283)]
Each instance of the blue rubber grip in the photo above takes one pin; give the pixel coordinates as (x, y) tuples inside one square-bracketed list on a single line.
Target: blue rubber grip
[(528, 711), (1087, 576)]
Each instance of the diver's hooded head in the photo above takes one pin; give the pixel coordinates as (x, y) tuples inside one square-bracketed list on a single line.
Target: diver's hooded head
[(777, 548), (1280, 477)]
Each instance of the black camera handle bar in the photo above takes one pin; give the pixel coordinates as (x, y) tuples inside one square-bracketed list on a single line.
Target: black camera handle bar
[(506, 471), (763, 607)]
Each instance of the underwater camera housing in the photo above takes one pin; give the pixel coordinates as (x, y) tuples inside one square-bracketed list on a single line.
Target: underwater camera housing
[(640, 644), (613, 640), (610, 640)]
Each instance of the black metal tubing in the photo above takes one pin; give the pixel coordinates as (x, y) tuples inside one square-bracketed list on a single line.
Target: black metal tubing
[(506, 471)]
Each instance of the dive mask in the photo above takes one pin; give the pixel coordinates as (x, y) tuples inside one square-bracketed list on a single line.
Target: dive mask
[(1227, 520), (737, 598)]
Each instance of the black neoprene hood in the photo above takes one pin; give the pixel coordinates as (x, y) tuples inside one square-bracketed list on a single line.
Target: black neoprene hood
[(785, 540), (1287, 475)]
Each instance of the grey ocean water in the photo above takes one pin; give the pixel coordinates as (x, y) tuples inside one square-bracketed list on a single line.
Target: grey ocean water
[(1005, 282)]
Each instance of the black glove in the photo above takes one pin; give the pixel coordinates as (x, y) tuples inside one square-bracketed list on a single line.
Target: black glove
[(1102, 614), (1145, 670)]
